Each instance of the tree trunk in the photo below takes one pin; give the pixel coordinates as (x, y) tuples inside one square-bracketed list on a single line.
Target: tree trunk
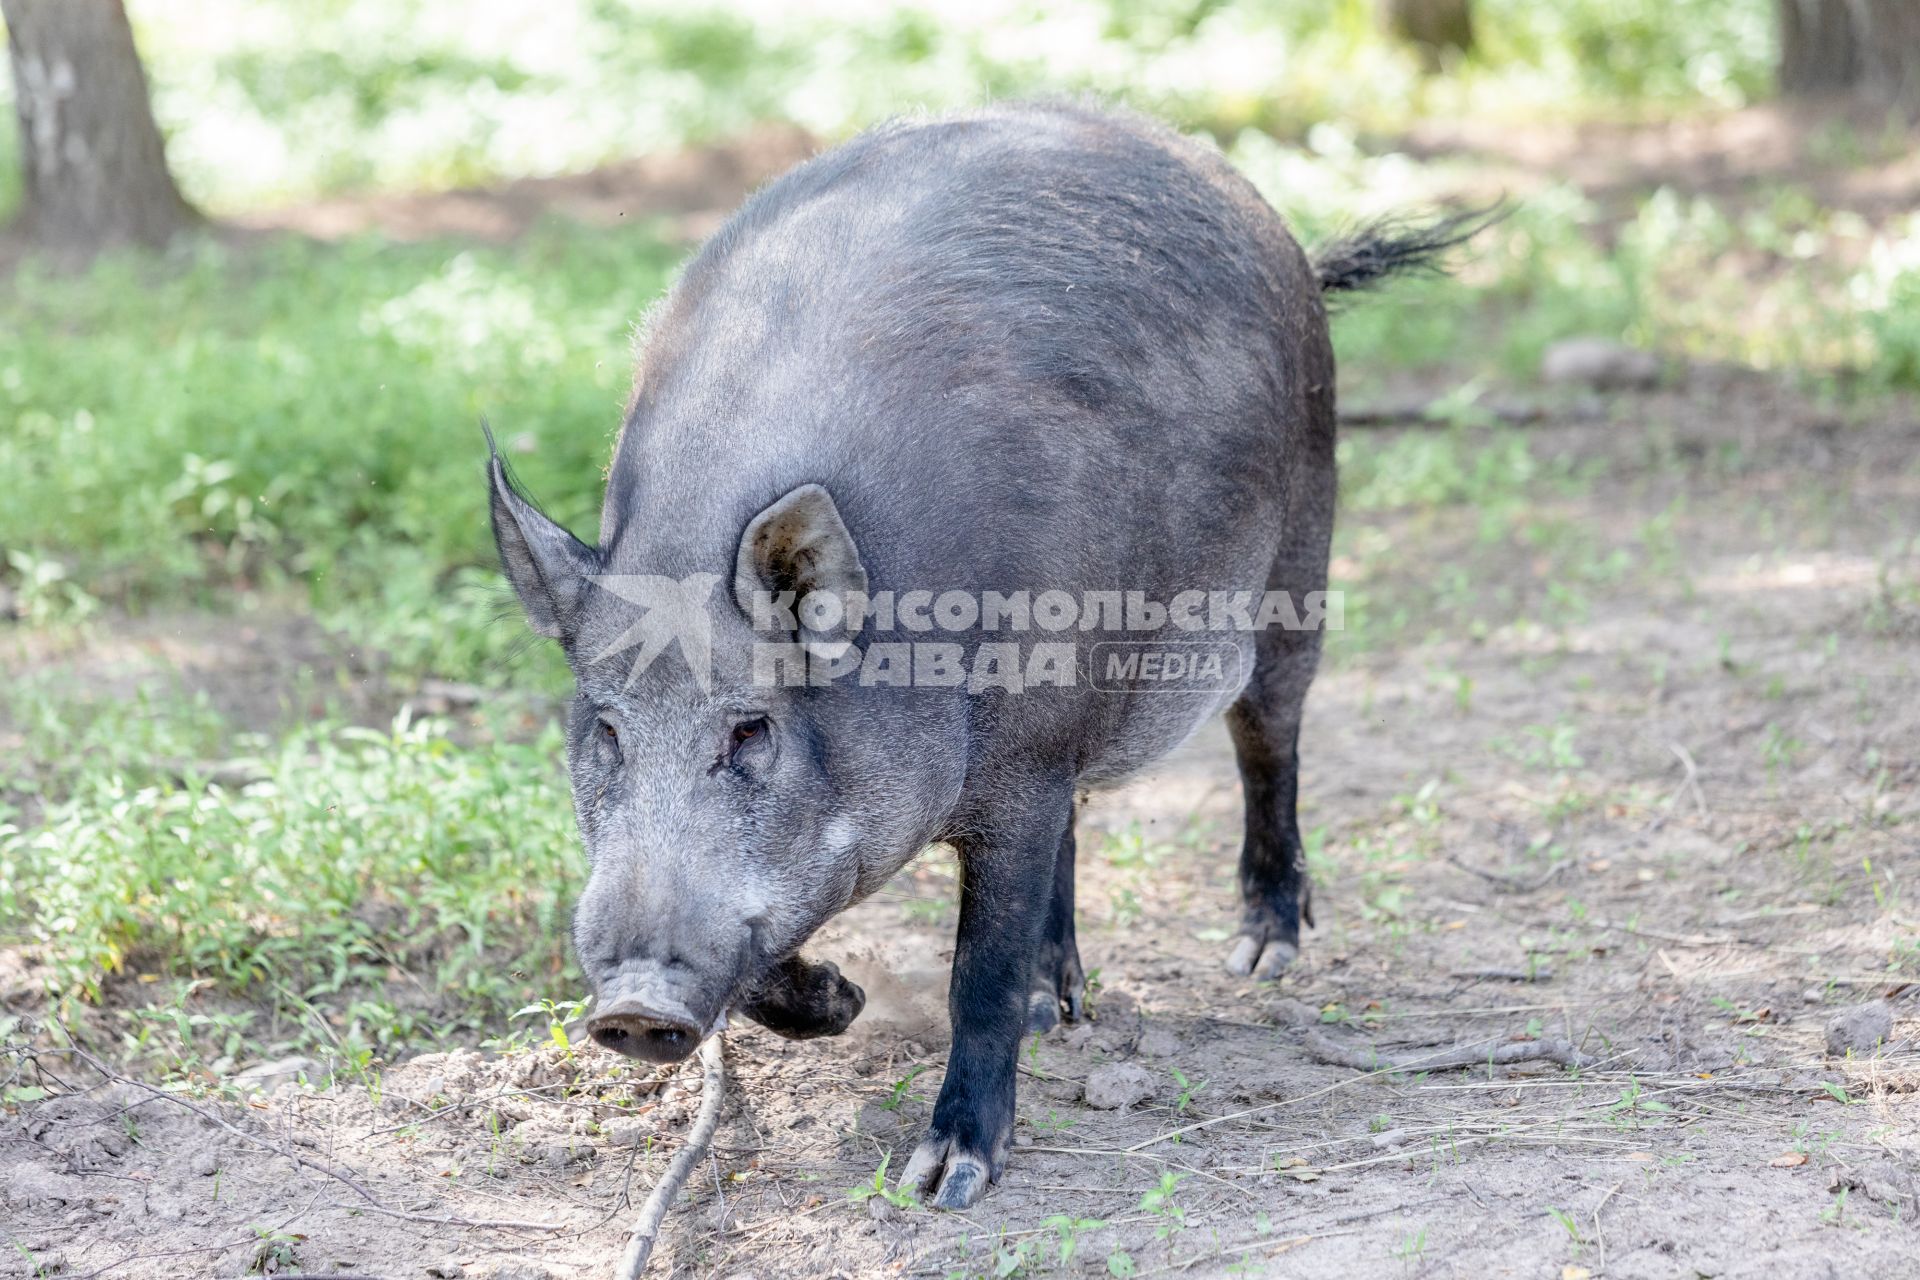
[(96, 169), (1438, 27), (1864, 49)]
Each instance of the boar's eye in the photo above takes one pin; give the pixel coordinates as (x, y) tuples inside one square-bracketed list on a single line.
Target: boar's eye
[(746, 733), (609, 734)]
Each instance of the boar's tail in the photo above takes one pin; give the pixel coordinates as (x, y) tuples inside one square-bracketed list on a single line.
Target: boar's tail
[(1382, 247)]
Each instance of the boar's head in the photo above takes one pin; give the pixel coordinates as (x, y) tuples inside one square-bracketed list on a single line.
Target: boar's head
[(721, 812)]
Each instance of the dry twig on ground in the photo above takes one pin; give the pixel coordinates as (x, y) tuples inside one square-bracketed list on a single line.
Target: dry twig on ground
[(647, 1226), (1323, 1049), (1535, 973), (1506, 883), (1438, 415)]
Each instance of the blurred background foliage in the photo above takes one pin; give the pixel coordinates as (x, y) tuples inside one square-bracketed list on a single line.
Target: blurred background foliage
[(273, 100)]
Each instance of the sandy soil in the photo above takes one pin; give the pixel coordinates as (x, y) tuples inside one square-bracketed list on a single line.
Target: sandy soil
[(1676, 828)]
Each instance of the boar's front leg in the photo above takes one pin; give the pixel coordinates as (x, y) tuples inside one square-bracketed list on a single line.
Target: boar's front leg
[(1007, 873), (802, 1000)]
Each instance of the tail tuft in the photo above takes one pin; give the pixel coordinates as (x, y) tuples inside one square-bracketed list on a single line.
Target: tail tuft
[(1382, 247)]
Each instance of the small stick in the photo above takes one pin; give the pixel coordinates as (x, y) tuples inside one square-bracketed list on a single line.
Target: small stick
[(1600, 1236), (1691, 783), (1435, 414), (647, 1226), (1539, 973), (1688, 939), (1506, 883), (1323, 1049)]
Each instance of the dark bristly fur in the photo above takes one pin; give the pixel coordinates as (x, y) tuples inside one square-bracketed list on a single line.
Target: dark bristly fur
[(1395, 245)]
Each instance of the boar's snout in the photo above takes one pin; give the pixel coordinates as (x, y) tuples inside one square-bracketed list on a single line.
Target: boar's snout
[(627, 1026)]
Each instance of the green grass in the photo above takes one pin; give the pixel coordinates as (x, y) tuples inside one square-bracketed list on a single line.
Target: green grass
[(133, 740), (307, 418), (359, 874)]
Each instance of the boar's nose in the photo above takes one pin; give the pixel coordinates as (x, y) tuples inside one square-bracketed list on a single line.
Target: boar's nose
[(629, 1027)]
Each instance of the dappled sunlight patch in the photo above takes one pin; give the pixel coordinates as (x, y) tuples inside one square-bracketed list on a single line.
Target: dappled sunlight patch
[(1807, 572), (469, 314), (1639, 636)]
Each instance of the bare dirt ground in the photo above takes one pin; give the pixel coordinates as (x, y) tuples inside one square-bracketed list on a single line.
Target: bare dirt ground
[(1640, 773), (696, 186), (693, 188), (1854, 159)]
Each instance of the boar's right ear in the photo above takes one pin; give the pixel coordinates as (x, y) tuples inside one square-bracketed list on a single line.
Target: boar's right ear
[(800, 544), (547, 566)]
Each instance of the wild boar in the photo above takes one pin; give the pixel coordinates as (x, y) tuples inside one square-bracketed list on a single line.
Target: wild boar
[(937, 451)]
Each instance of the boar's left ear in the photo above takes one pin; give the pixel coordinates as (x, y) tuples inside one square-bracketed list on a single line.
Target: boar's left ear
[(547, 566), (800, 544)]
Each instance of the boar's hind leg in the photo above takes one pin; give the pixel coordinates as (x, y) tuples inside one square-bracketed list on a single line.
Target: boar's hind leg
[(1059, 984), (1007, 860), (1265, 724), (803, 1000), (1273, 881)]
